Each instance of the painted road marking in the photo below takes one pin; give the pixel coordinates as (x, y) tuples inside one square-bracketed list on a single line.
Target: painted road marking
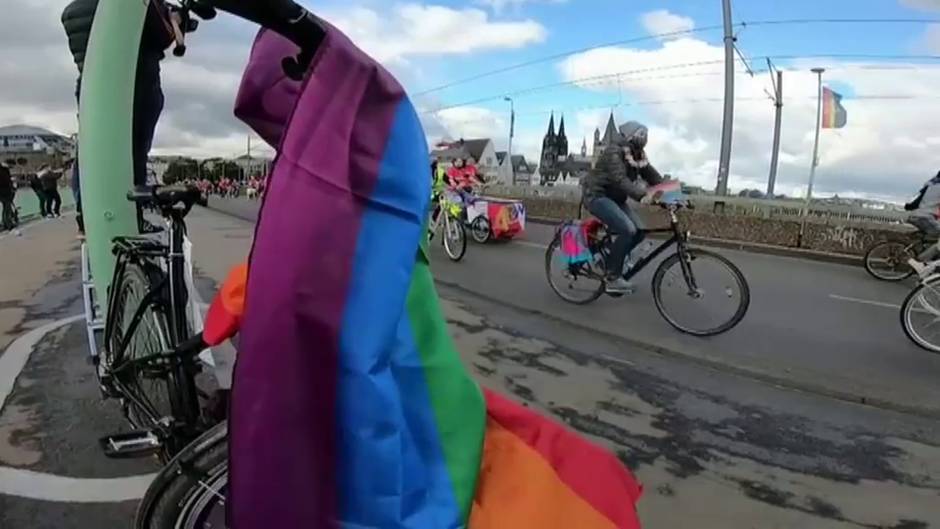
[(52, 487), (865, 302)]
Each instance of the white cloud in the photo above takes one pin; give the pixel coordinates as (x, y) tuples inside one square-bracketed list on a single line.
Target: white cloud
[(662, 21), (471, 122), (931, 38), (887, 149), (411, 30), (37, 75), (928, 5), (499, 5)]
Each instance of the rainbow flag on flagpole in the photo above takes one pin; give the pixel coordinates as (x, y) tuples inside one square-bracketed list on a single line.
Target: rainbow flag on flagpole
[(834, 115), (350, 405)]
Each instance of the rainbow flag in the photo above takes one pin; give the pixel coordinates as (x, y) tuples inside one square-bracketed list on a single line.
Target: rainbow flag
[(350, 406), (834, 115)]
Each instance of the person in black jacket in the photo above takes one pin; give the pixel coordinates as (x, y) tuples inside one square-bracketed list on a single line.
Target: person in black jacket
[(623, 171), (157, 36)]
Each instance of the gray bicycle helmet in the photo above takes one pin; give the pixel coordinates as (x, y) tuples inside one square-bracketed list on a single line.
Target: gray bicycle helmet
[(634, 134)]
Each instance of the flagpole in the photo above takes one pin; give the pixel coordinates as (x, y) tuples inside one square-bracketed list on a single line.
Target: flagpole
[(815, 162)]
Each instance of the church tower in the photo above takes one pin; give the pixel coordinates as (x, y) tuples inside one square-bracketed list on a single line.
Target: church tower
[(561, 145)]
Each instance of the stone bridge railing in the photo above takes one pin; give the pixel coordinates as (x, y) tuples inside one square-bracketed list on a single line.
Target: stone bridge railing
[(831, 229)]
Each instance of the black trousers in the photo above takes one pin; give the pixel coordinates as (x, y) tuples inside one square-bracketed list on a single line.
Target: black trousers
[(53, 202), (43, 203), (7, 213)]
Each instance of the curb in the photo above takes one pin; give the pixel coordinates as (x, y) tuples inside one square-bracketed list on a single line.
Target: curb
[(753, 247)]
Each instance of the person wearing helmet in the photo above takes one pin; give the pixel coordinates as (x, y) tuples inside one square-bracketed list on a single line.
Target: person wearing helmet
[(623, 171)]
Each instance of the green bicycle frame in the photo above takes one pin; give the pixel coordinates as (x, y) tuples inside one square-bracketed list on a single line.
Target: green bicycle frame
[(105, 126)]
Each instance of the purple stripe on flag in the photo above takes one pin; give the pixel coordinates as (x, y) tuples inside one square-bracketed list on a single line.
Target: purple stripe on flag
[(283, 453)]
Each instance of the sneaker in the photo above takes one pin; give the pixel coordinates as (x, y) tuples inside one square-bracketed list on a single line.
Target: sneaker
[(619, 285)]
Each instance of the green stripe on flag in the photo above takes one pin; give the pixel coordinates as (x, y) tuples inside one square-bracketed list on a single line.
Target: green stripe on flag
[(459, 407)]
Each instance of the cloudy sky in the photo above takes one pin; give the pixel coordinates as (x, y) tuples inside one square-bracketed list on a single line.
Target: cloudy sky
[(888, 73)]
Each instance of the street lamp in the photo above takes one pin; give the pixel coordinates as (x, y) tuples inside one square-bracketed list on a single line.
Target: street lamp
[(512, 127)]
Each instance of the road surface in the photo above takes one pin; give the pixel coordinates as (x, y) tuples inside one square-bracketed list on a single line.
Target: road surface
[(714, 449), (814, 326)]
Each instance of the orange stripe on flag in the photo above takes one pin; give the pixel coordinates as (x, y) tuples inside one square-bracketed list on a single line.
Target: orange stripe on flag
[(544, 468), (518, 489)]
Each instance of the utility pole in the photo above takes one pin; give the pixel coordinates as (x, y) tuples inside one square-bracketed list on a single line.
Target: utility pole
[(775, 156), (512, 132), (727, 123)]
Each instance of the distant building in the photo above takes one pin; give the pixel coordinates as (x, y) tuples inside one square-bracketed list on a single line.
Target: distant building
[(514, 170), (559, 167), (26, 148), (554, 152), (253, 165)]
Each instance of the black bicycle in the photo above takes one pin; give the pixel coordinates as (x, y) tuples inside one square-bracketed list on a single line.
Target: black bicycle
[(685, 286), (147, 359), (887, 260)]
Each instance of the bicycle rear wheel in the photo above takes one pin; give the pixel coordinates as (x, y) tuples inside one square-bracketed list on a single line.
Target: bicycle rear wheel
[(887, 260), (920, 315), (149, 393), (700, 293), (576, 283)]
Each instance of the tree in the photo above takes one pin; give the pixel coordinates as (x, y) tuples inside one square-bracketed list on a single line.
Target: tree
[(181, 169)]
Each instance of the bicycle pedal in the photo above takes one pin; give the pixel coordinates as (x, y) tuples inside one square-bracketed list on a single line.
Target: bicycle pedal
[(129, 445)]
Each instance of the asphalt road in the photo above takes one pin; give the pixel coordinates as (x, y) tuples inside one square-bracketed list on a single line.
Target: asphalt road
[(814, 326), (713, 449)]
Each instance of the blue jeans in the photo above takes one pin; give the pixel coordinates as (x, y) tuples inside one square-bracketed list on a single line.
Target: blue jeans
[(624, 225)]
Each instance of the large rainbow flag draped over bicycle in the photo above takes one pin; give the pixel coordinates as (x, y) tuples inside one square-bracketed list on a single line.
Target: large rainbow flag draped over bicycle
[(350, 405)]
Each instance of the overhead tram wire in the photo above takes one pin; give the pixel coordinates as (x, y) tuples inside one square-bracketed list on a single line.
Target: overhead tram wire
[(629, 73), (658, 36)]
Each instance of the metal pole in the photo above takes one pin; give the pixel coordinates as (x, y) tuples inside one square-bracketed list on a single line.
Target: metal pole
[(812, 170), (512, 132), (815, 162), (775, 156), (727, 123)]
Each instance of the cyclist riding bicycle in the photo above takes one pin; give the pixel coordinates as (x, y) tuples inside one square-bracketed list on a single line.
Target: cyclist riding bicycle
[(623, 171), (925, 217)]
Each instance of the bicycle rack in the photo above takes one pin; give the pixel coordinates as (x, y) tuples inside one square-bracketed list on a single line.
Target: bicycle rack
[(94, 323)]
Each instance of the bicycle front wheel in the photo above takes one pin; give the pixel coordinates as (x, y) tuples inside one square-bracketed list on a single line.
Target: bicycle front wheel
[(920, 315), (139, 329), (887, 261), (700, 293), (190, 492), (455, 238)]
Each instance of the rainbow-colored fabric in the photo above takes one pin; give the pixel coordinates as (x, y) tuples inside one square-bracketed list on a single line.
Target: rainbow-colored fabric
[(834, 115), (350, 405)]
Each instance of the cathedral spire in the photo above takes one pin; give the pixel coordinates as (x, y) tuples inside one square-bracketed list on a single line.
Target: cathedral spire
[(611, 133), (551, 125)]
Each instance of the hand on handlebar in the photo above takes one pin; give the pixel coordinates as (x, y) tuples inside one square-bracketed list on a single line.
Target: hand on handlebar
[(652, 198)]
